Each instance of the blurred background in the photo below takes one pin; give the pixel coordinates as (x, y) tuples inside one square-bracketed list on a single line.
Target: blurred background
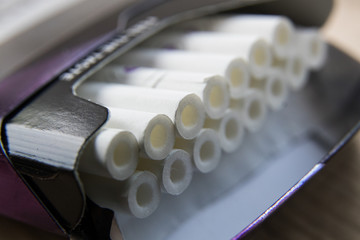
[(325, 208)]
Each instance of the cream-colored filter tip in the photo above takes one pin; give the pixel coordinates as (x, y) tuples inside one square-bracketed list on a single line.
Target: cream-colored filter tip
[(111, 153), (177, 172), (120, 149), (230, 130), (143, 194), (190, 116)]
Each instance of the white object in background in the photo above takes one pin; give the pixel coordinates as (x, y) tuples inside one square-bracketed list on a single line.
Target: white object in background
[(252, 108), (205, 149), (251, 48), (230, 130), (139, 195), (111, 153), (185, 109), (212, 90), (154, 132), (174, 172), (274, 88), (295, 70), (277, 30), (31, 28), (235, 70), (312, 47)]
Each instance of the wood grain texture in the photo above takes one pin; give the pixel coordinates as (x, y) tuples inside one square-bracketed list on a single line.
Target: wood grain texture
[(342, 28)]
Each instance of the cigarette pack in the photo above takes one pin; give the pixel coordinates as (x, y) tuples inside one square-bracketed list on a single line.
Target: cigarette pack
[(40, 183)]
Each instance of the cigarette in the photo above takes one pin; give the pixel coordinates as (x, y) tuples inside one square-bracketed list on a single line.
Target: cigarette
[(276, 30), (154, 132), (235, 70), (230, 130), (274, 88), (295, 70), (139, 195), (214, 94), (185, 109), (211, 89), (311, 47), (174, 172), (251, 48), (252, 109), (111, 153), (205, 150)]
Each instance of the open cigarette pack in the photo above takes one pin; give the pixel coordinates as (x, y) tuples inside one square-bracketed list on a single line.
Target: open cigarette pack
[(174, 119)]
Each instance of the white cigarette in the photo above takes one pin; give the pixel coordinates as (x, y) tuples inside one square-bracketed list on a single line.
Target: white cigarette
[(175, 172), (111, 153), (312, 47), (230, 130), (235, 70), (277, 30), (139, 195), (249, 47), (296, 72), (205, 149), (185, 109), (252, 108), (211, 89), (154, 132), (274, 88), (143, 194)]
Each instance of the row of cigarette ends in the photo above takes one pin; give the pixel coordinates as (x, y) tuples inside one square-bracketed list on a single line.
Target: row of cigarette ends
[(183, 97)]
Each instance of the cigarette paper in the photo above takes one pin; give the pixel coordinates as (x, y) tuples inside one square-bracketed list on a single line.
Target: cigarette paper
[(185, 109), (230, 130), (205, 149), (174, 172), (251, 48), (277, 30), (139, 195), (252, 109), (154, 132), (274, 88), (111, 153), (235, 70), (312, 47), (211, 89), (213, 93)]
